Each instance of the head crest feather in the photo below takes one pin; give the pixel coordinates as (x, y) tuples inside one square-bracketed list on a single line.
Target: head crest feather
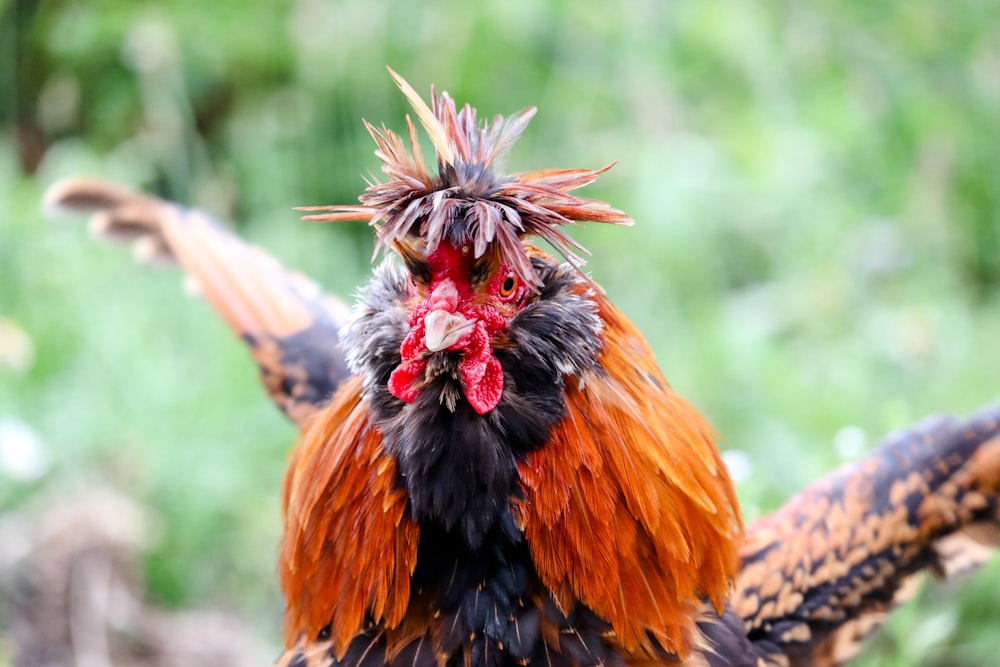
[(466, 201)]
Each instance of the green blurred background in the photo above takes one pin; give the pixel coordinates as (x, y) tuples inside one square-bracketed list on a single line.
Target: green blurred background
[(816, 258)]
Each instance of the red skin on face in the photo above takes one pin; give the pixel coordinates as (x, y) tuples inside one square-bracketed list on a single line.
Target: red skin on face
[(479, 371)]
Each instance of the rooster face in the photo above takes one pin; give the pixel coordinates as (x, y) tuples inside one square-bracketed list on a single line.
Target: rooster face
[(460, 307)]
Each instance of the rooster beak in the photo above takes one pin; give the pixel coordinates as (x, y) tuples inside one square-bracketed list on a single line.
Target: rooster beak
[(443, 329)]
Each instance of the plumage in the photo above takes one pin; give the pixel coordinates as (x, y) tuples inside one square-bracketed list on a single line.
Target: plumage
[(492, 469), (340, 498), (658, 522)]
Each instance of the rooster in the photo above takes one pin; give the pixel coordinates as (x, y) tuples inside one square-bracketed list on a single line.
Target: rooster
[(492, 469)]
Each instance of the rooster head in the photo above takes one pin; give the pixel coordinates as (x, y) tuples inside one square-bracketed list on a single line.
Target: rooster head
[(461, 233)]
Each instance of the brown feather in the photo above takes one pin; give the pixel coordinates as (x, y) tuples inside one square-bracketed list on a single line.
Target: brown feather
[(349, 546), (631, 486), (828, 566), (275, 310)]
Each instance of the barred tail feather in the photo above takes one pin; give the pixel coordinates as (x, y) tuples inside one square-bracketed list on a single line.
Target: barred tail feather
[(821, 573), (289, 324)]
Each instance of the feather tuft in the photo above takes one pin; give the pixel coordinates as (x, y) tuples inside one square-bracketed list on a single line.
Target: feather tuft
[(467, 202), (431, 123)]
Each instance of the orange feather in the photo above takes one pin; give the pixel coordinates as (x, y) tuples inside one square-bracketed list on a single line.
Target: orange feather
[(629, 509), (349, 546)]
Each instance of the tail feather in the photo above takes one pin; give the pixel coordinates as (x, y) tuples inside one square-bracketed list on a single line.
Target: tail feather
[(289, 324), (820, 574)]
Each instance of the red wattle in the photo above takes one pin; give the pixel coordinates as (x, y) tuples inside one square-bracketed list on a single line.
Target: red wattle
[(484, 396), (403, 380), (480, 372)]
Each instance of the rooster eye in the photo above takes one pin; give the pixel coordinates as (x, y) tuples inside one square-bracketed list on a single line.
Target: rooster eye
[(508, 289)]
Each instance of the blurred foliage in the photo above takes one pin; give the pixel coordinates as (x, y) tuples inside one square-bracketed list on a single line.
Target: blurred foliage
[(816, 259)]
